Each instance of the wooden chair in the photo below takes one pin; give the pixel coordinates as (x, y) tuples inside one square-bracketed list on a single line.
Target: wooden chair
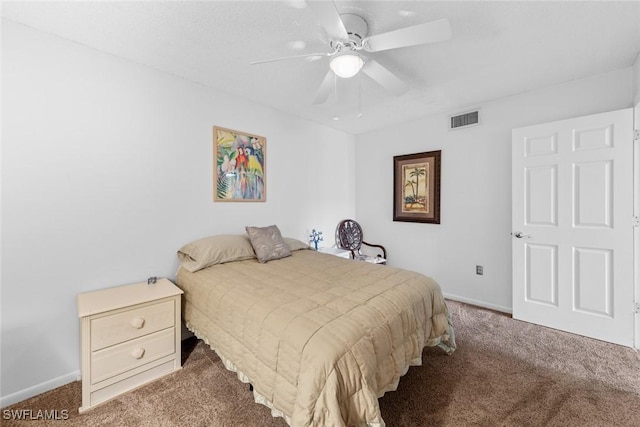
[(349, 236)]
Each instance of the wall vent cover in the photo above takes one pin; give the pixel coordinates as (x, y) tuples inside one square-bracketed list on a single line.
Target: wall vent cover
[(470, 118)]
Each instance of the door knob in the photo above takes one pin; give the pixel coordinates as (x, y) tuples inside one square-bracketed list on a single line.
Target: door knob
[(519, 235)]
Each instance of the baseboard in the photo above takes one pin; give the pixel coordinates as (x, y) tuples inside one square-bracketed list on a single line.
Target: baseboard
[(37, 389), (483, 304)]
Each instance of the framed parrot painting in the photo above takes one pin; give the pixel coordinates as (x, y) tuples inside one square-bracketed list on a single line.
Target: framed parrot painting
[(239, 161), (416, 187)]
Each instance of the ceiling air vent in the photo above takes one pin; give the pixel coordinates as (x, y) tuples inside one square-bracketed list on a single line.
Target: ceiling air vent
[(463, 120)]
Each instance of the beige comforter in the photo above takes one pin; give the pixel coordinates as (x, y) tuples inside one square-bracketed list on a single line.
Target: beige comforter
[(320, 338)]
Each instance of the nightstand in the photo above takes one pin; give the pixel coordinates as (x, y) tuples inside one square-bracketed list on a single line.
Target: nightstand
[(371, 259), (342, 253), (130, 335)]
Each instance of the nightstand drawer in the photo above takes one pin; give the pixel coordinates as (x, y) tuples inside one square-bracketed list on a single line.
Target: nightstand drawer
[(130, 324), (131, 354)]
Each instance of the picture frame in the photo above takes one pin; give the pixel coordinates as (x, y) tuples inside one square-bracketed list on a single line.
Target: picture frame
[(239, 164), (416, 187)]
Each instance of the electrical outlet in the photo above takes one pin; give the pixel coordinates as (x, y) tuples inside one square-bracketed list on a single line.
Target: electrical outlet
[(479, 270)]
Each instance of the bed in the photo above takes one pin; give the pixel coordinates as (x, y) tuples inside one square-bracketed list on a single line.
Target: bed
[(320, 338)]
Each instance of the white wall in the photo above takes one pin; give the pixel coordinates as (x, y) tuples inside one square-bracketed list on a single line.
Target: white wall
[(107, 171), (636, 81), (476, 185)]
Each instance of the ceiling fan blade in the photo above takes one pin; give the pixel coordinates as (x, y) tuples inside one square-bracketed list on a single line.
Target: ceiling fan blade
[(429, 32), (325, 88), (384, 77), (286, 58), (329, 18)]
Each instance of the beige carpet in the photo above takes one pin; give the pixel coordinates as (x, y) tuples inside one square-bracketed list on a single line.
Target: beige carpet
[(504, 373)]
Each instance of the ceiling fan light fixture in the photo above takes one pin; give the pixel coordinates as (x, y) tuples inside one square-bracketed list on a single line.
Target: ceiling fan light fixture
[(346, 65)]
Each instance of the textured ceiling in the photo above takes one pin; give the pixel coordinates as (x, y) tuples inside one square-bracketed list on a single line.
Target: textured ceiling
[(497, 49)]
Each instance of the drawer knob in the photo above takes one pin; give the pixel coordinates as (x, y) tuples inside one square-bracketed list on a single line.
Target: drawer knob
[(138, 353), (137, 323)]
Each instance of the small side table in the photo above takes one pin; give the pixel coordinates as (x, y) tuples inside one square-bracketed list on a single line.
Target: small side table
[(372, 259), (130, 335), (342, 253)]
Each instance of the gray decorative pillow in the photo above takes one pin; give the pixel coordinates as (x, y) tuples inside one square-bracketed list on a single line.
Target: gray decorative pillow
[(268, 243), (213, 250)]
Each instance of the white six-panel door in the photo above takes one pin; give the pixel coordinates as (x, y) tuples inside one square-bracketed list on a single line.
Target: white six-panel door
[(572, 223)]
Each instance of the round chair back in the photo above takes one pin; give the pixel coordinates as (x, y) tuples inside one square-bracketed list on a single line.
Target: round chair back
[(349, 235)]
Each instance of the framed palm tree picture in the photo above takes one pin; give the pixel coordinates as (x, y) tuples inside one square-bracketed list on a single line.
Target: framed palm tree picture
[(416, 187)]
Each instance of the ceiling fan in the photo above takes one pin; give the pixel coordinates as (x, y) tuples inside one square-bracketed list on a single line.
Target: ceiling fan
[(349, 38)]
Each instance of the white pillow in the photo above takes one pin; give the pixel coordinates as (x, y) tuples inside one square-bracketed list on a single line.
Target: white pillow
[(295, 244), (213, 250)]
